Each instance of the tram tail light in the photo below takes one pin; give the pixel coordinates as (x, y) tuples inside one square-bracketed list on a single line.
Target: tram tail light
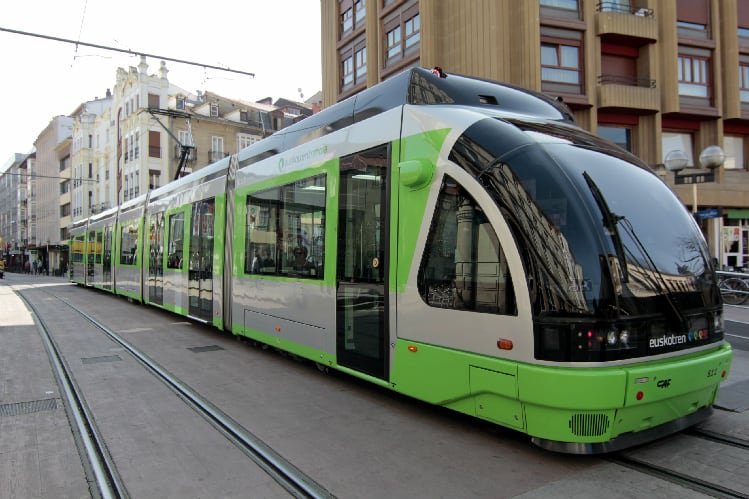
[(504, 344)]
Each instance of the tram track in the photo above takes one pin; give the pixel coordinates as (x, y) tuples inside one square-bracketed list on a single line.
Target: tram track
[(718, 437), (97, 462), (109, 483), (678, 478), (631, 460)]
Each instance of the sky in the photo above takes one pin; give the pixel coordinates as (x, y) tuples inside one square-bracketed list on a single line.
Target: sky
[(278, 41)]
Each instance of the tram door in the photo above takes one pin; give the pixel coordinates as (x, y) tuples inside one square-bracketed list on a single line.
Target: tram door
[(200, 285), (362, 267), (156, 259), (107, 264)]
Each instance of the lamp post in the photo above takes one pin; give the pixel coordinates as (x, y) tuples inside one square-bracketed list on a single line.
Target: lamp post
[(711, 157)]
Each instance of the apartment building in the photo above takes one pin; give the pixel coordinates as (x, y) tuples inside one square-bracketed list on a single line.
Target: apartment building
[(52, 150), (132, 140), (654, 76), (11, 233)]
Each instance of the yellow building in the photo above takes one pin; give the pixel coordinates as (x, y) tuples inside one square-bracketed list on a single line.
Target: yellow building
[(654, 76)]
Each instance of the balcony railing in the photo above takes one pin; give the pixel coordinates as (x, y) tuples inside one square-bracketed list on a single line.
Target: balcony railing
[(214, 156), (623, 9), (625, 80), (192, 155)]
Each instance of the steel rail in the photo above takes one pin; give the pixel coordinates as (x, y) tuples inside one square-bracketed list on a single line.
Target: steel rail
[(106, 477), (291, 478), (675, 477)]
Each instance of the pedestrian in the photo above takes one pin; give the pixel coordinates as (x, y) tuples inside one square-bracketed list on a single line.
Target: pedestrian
[(35, 265), (27, 267)]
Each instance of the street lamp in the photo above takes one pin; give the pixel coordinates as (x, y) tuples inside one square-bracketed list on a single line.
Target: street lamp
[(711, 157)]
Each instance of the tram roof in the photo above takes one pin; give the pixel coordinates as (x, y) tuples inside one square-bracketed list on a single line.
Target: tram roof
[(414, 86)]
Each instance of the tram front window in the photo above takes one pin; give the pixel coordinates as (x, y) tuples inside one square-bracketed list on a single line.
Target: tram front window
[(595, 227)]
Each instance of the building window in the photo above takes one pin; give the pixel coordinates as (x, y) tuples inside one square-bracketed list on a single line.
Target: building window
[(217, 148), (394, 42), (412, 28), (693, 18), (744, 81), (561, 67), (360, 12), (347, 71), (180, 102), (214, 110), (347, 17), (245, 140), (621, 136), (184, 137), (560, 8), (154, 179), (360, 64), (733, 145), (402, 35), (154, 144), (153, 101), (559, 4), (353, 66), (677, 141), (694, 80)]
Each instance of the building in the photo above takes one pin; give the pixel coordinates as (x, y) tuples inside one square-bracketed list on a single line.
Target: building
[(12, 210), (141, 135), (654, 76), (48, 248), (81, 192), (133, 140)]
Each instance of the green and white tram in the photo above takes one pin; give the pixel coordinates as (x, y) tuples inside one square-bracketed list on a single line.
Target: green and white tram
[(456, 240)]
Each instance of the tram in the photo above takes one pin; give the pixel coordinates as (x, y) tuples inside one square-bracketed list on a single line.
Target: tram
[(456, 240)]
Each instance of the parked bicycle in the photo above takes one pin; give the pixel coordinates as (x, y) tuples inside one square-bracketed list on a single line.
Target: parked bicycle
[(734, 287)]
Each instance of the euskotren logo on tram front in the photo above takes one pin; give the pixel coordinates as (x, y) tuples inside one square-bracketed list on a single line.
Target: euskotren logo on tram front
[(678, 339)]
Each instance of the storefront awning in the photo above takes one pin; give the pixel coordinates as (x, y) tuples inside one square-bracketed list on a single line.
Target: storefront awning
[(737, 213)]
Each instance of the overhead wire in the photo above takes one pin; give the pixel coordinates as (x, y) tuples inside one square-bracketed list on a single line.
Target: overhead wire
[(126, 51), (80, 30)]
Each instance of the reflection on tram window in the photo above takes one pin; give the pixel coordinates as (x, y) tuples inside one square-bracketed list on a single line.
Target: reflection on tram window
[(285, 230), (463, 267), (128, 244), (176, 240)]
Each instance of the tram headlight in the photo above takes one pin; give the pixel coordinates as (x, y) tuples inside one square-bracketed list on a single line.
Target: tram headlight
[(624, 337), (612, 338)]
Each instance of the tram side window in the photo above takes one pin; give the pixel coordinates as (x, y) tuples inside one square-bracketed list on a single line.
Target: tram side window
[(285, 230), (91, 247), (77, 247), (176, 240), (128, 244), (99, 246), (464, 267)]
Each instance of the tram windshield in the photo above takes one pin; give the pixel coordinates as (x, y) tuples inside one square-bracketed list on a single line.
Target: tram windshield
[(598, 231)]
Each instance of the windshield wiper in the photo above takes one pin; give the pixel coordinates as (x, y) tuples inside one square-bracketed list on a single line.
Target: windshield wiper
[(610, 221)]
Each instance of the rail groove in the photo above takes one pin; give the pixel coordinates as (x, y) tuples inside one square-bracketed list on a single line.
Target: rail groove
[(288, 476)]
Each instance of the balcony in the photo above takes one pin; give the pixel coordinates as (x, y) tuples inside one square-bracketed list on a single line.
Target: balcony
[(617, 23), (214, 156), (627, 93), (192, 155)]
